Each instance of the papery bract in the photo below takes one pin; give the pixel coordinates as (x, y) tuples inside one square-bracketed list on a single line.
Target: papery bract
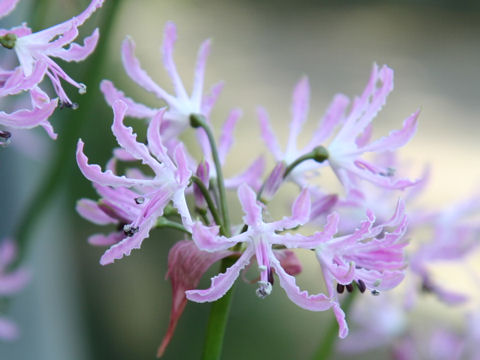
[(186, 266)]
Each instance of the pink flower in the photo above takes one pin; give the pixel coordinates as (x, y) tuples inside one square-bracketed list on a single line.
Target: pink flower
[(456, 234), (152, 194), (35, 52), (351, 142), (180, 105), (372, 256), (257, 241), (11, 282)]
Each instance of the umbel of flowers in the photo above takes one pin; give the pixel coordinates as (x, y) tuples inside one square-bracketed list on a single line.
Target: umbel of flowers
[(369, 257)]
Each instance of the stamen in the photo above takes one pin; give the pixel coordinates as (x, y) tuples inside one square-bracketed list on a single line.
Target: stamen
[(361, 286), (375, 292), (68, 105), (83, 89), (388, 173), (130, 230), (270, 276), (139, 200), (8, 40), (5, 138), (340, 288), (264, 289), (349, 288)]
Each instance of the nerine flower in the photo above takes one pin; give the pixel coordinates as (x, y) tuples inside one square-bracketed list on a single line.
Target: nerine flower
[(455, 235), (372, 256), (169, 182), (180, 105), (257, 241), (35, 53), (11, 282), (352, 141)]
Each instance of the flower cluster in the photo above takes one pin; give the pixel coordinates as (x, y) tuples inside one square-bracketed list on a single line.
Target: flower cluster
[(368, 256), (35, 53)]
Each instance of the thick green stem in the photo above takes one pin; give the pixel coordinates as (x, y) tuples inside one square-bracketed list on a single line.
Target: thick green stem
[(206, 195), (198, 120), (327, 346), (217, 322)]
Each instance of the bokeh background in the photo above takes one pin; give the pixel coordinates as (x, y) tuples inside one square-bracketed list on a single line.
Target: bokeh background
[(76, 309)]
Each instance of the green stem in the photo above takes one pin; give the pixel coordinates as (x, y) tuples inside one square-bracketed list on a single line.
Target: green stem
[(327, 346), (63, 163), (165, 223), (210, 203), (319, 154), (217, 321), (198, 120)]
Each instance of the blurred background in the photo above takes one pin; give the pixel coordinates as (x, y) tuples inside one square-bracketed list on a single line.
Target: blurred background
[(76, 309)]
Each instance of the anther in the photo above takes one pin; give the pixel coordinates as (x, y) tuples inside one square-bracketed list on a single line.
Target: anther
[(68, 105), (139, 200), (340, 288), (264, 289), (8, 40), (130, 230), (349, 288), (361, 286), (270, 276), (5, 138), (375, 292), (82, 89), (388, 173)]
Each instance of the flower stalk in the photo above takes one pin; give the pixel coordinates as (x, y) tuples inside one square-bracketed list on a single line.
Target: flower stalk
[(196, 121)]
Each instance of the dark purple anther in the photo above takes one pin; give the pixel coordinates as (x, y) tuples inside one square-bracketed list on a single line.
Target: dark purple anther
[(361, 286), (349, 288), (340, 288), (270, 276)]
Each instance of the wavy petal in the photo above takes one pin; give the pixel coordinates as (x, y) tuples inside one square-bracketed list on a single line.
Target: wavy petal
[(95, 174), (134, 109), (137, 74), (226, 138), (250, 206), (90, 210), (221, 283), (76, 52), (299, 110), (318, 302), (396, 138), (199, 75), (268, 135), (169, 39), (128, 140)]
